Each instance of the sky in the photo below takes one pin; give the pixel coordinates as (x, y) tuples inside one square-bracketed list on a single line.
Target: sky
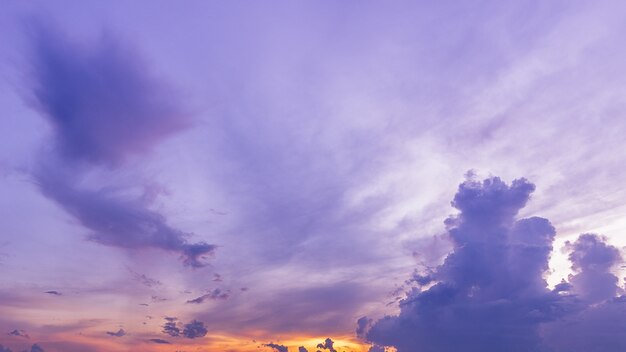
[(341, 176)]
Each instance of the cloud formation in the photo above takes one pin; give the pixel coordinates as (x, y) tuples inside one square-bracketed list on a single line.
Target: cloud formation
[(278, 348), (119, 333), (104, 106), (490, 294), (215, 294)]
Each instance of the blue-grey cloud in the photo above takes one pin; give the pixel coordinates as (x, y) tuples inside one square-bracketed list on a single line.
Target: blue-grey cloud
[(490, 295), (328, 344), (170, 327), (118, 333), (194, 329), (215, 294), (105, 106), (277, 347), (19, 333), (160, 341)]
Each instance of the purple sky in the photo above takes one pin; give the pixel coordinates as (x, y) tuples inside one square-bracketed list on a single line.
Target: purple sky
[(244, 176)]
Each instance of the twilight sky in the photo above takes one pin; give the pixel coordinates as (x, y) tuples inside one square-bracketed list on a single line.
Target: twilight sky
[(343, 176)]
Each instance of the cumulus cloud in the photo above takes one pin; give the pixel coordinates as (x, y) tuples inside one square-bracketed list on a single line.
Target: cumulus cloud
[(327, 345), (276, 347), (215, 294), (170, 327), (302, 349), (105, 106), (194, 329), (119, 333), (490, 295)]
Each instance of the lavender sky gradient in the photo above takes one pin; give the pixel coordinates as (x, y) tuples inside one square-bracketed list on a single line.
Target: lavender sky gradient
[(245, 176)]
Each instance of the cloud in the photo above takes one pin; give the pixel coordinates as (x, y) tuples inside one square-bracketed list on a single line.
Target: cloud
[(36, 348), (327, 345), (278, 348), (490, 295), (215, 294), (170, 327), (160, 341), (101, 100), (19, 333), (105, 106), (54, 293), (119, 333), (194, 329), (592, 260), (302, 349)]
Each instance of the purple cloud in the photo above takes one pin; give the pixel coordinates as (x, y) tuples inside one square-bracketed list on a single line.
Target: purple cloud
[(19, 333), (194, 329), (105, 106), (327, 345), (119, 333), (276, 347), (160, 341), (215, 294), (490, 295)]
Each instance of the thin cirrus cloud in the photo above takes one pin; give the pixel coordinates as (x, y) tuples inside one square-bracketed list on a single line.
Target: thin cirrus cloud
[(104, 107), (490, 293)]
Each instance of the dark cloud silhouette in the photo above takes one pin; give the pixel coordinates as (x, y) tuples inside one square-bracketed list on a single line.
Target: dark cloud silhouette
[(102, 102), (105, 106), (194, 329), (278, 348), (19, 333), (33, 348), (36, 348), (302, 349), (327, 345), (160, 341), (55, 293), (119, 333), (170, 327), (215, 294), (490, 294)]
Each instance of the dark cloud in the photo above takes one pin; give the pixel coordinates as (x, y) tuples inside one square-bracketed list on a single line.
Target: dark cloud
[(194, 329), (215, 294), (119, 333), (102, 102), (160, 341), (4, 349), (19, 333), (278, 348), (302, 349), (490, 294), (327, 345), (55, 293), (36, 348), (363, 325), (104, 106), (170, 327)]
